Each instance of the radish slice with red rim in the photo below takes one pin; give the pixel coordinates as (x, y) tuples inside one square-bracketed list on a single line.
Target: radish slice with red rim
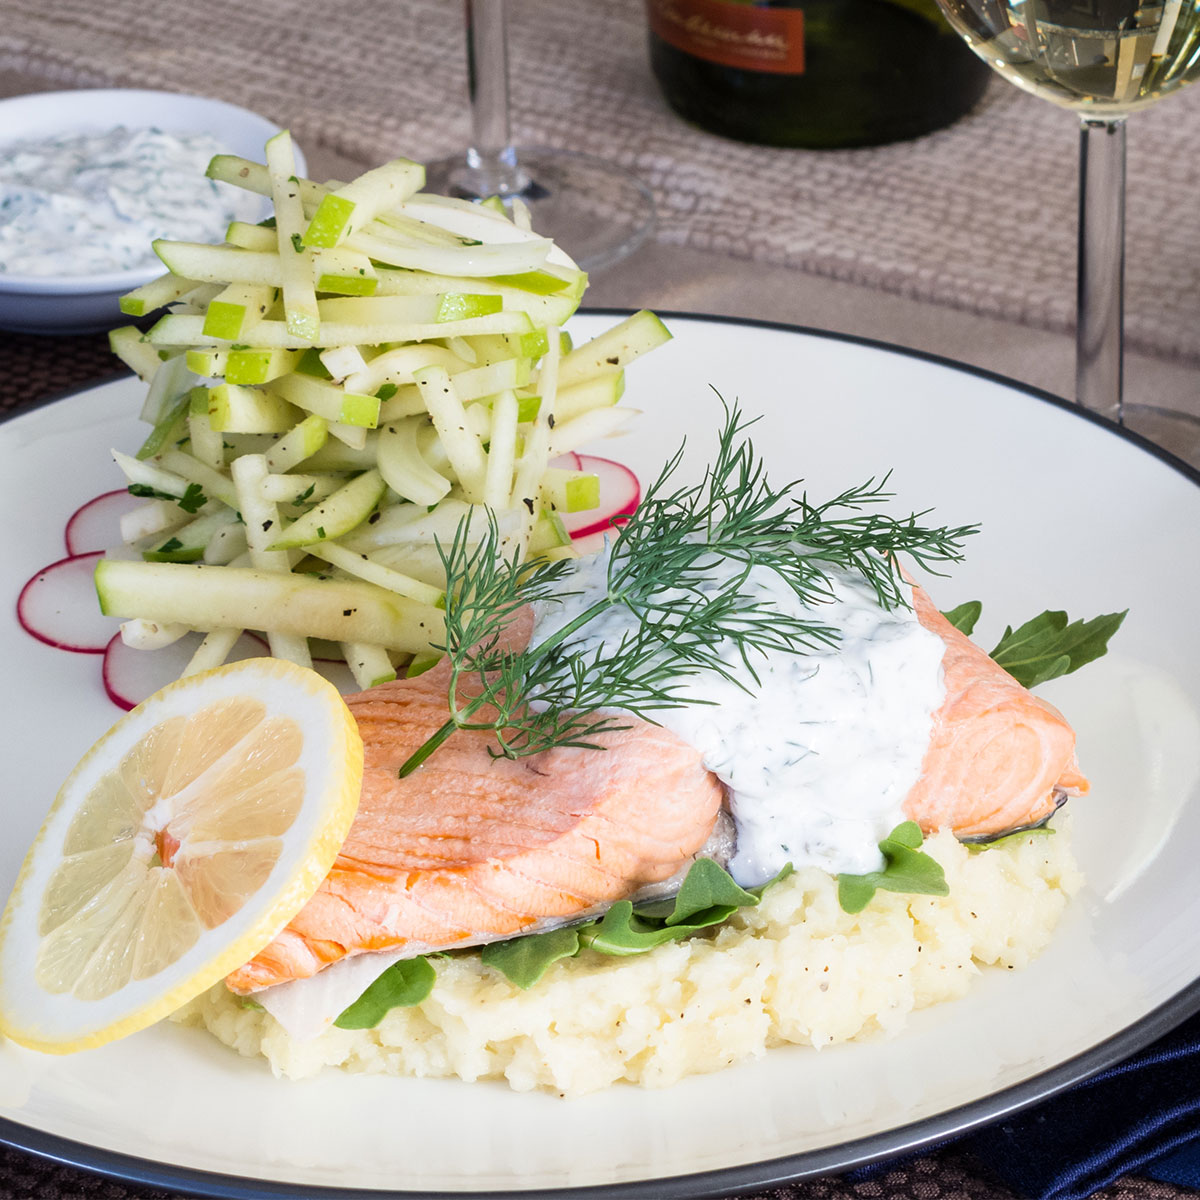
[(131, 676), (58, 606), (566, 462), (619, 496), (96, 525)]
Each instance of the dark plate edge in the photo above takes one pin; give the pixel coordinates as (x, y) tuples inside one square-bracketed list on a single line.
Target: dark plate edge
[(726, 1181)]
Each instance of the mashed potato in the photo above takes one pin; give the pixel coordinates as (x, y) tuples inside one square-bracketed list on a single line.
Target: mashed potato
[(795, 969)]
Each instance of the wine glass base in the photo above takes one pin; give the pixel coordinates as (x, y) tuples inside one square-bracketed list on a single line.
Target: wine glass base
[(1178, 432), (594, 210)]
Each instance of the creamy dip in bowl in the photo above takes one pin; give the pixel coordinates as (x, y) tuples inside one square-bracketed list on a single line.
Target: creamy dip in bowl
[(72, 282)]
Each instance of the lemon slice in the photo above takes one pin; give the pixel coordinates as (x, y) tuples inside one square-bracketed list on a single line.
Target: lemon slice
[(182, 843)]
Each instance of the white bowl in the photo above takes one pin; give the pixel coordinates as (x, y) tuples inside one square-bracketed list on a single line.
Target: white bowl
[(79, 303)]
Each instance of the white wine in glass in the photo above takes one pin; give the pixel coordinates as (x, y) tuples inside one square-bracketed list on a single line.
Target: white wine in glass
[(1104, 59), (595, 210)]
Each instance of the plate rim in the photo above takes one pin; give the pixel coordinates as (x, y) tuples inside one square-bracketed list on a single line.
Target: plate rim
[(899, 1142), (856, 339)]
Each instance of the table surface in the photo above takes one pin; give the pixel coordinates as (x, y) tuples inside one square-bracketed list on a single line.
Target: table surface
[(960, 244)]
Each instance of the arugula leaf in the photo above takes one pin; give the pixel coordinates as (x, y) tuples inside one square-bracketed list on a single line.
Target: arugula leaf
[(621, 932), (706, 885), (963, 617), (1050, 646), (906, 869), (707, 896), (402, 985), (524, 960)]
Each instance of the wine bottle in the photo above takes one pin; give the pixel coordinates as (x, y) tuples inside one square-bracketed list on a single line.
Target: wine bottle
[(817, 73)]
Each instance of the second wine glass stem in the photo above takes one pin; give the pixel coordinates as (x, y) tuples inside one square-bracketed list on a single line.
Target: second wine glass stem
[(1099, 332), (491, 157)]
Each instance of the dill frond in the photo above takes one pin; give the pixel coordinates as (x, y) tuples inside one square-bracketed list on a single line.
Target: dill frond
[(661, 569)]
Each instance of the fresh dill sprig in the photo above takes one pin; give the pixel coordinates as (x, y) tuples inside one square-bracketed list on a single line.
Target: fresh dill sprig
[(688, 617)]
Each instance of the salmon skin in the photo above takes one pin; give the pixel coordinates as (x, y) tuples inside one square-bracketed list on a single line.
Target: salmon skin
[(999, 757), (471, 849)]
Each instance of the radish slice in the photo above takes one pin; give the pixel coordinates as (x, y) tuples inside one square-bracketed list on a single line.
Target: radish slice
[(130, 676), (619, 496), (96, 525), (566, 462), (58, 606)]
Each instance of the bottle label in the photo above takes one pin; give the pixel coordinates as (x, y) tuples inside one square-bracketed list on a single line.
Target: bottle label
[(733, 34)]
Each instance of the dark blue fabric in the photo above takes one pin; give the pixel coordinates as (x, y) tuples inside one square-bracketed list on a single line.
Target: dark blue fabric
[(1181, 1167), (1141, 1117)]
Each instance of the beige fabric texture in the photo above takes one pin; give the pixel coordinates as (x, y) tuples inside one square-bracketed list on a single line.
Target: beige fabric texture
[(979, 217)]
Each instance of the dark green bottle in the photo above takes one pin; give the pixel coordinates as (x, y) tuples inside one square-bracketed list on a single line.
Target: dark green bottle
[(816, 73)]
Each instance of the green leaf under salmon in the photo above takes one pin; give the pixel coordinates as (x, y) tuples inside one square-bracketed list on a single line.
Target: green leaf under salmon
[(1045, 647), (1050, 645), (401, 985), (906, 869), (963, 617), (707, 897)]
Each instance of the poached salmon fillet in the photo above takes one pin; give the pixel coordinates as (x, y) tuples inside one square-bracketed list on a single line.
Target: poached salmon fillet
[(999, 758), (471, 849)]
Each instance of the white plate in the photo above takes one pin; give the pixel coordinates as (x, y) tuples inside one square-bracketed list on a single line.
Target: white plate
[(79, 303), (1073, 516)]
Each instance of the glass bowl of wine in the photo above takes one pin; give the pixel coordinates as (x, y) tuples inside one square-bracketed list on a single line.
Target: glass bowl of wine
[(1103, 59)]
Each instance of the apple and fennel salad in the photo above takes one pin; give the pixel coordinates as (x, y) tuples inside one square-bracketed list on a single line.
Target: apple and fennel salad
[(268, 519), (332, 392)]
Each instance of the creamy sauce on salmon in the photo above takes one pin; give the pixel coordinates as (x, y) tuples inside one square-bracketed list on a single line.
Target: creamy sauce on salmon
[(820, 752)]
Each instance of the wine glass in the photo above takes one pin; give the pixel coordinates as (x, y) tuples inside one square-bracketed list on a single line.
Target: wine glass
[(596, 211), (1104, 59)]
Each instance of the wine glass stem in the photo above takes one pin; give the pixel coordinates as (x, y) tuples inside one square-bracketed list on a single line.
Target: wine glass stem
[(1101, 281), (491, 158)]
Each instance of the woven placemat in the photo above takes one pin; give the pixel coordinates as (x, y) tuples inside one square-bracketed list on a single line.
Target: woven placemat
[(980, 216), (36, 368)]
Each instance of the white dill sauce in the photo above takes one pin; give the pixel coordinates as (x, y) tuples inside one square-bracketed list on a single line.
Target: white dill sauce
[(820, 754), (91, 203)]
